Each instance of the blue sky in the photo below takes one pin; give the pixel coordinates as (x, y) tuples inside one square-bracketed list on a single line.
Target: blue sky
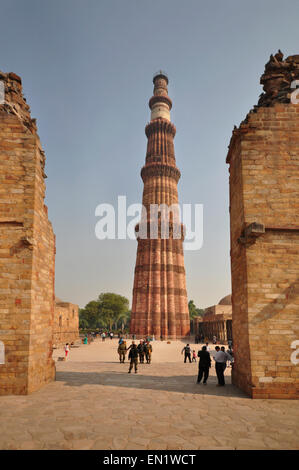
[(87, 68)]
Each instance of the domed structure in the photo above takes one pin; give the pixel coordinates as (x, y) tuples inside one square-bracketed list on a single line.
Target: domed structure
[(216, 321), (227, 300)]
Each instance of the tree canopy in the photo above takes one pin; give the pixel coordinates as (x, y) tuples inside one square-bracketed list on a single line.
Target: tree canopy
[(194, 311), (109, 311)]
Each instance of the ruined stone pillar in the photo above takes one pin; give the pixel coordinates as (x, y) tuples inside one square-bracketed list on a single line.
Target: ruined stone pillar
[(27, 250), (160, 304), (264, 224)]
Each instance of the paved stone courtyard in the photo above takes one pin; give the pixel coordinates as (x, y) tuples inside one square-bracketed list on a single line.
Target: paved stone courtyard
[(96, 404)]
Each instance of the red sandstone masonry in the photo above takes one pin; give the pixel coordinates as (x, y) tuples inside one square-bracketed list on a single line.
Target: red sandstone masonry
[(159, 304)]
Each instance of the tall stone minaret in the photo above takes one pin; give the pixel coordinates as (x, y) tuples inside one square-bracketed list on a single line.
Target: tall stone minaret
[(160, 304)]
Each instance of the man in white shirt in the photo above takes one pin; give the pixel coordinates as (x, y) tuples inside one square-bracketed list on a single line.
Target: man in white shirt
[(228, 357), (220, 359)]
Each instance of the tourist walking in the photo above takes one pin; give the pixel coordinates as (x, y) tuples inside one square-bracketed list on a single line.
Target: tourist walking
[(66, 350), (203, 365), (141, 351), (231, 360), (148, 352), (103, 336), (133, 356), (187, 353), (193, 356), (220, 359), (228, 357), (122, 350)]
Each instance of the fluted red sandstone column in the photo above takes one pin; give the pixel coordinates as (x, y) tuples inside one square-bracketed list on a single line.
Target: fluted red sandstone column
[(160, 304)]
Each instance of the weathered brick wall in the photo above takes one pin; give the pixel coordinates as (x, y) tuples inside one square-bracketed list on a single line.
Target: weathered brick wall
[(27, 250), (66, 323), (264, 189)]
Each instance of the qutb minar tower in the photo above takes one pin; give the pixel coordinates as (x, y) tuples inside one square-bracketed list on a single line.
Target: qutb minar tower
[(160, 304)]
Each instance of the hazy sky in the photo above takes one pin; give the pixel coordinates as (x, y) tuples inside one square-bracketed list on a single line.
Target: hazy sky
[(87, 68)]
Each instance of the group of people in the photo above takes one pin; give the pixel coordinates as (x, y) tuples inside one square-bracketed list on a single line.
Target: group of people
[(200, 338), (94, 334), (187, 354), (142, 351), (107, 334), (221, 358)]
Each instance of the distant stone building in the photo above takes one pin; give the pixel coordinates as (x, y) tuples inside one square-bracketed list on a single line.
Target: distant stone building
[(66, 323), (263, 160), (216, 321)]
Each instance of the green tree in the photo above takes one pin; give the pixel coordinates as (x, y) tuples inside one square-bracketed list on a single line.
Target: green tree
[(123, 320), (113, 307), (108, 310), (88, 315), (83, 321), (194, 311)]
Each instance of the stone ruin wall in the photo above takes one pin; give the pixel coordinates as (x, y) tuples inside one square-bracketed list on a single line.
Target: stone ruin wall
[(264, 191), (66, 323), (27, 250)]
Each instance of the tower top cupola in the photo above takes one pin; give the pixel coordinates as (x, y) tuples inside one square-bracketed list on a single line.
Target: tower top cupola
[(160, 103)]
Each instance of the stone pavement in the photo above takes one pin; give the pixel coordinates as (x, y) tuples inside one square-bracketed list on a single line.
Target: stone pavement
[(96, 404)]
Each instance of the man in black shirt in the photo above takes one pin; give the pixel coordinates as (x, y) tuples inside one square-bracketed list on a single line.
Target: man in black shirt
[(203, 365), (141, 351), (187, 351), (133, 356)]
